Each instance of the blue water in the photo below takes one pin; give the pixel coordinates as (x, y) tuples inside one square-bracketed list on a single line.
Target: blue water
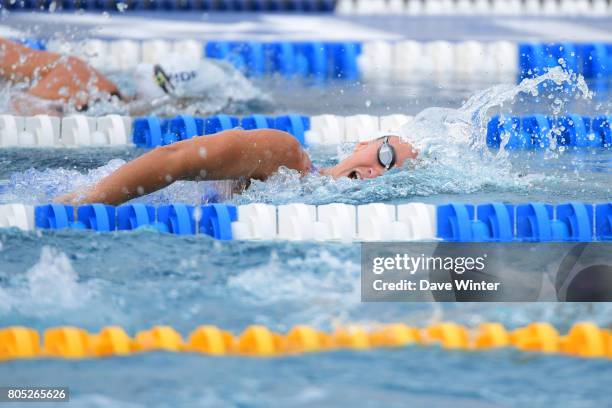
[(143, 278)]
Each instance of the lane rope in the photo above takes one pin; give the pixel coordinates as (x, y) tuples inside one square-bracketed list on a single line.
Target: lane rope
[(535, 132), (339, 222), (584, 340)]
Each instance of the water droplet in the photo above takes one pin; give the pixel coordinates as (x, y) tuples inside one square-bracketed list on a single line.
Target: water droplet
[(202, 152)]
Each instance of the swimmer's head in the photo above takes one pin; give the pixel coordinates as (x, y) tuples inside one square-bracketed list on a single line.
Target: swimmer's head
[(147, 87), (372, 159), (176, 76)]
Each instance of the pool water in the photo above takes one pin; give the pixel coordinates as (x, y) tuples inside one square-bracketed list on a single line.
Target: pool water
[(143, 278)]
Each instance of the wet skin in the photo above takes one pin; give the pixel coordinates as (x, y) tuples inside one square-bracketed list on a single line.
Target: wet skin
[(52, 76), (230, 155)]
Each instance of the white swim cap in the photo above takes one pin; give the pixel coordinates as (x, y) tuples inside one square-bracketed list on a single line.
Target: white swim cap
[(146, 85), (176, 76)]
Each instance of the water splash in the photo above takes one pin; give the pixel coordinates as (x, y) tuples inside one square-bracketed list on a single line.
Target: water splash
[(49, 287), (448, 133), (42, 186), (454, 161), (327, 286)]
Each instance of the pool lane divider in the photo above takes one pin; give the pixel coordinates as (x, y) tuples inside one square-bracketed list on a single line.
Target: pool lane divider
[(291, 6), (535, 132), (453, 222), (583, 8), (532, 132), (584, 339), (481, 8), (323, 61)]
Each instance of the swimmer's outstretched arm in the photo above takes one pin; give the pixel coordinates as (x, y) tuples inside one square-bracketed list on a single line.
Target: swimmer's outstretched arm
[(20, 63), (52, 76), (232, 154)]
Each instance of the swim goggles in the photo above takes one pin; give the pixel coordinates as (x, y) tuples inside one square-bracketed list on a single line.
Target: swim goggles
[(386, 154)]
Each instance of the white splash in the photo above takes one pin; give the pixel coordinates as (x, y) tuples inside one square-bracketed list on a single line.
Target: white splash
[(42, 186), (445, 133), (325, 288), (53, 282), (50, 286)]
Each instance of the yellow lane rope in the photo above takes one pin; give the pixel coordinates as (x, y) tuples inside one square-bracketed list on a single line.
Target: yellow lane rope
[(584, 339)]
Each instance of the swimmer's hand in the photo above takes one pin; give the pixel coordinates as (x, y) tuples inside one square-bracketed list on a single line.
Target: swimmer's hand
[(73, 198)]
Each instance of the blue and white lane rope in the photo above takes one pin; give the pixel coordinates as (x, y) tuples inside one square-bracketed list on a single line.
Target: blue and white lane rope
[(583, 8), (455, 222), (533, 132), (350, 60)]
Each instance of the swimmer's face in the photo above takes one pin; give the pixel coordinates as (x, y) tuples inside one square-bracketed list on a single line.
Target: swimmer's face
[(363, 162)]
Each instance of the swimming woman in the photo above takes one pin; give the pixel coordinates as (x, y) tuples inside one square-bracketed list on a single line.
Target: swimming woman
[(236, 155), (55, 83)]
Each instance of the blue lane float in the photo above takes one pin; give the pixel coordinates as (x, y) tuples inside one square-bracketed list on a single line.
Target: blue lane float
[(297, 125), (494, 222), (97, 217), (536, 131), (216, 221), (536, 222), (134, 216), (148, 132), (455, 222), (257, 122), (602, 128), (576, 221), (219, 123), (151, 131), (177, 219), (603, 222), (590, 60), (54, 216), (317, 60), (182, 127), (531, 222)]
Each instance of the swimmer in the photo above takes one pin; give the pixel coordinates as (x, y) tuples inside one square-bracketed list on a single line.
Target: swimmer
[(52, 76), (55, 83), (236, 155)]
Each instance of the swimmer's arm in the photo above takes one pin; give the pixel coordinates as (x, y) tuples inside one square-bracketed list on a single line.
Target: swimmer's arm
[(232, 155), (21, 63)]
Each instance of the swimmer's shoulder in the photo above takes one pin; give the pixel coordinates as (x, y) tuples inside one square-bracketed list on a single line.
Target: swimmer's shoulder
[(279, 148)]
